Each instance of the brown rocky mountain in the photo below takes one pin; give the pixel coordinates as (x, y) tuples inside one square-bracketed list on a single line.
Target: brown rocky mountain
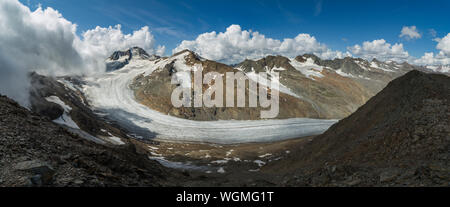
[(310, 87), (331, 95), (399, 137), (336, 88), (155, 89)]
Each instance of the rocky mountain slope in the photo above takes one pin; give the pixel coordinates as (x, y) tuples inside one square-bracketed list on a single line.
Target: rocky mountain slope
[(154, 90), (63, 101), (336, 88), (399, 137), (36, 152)]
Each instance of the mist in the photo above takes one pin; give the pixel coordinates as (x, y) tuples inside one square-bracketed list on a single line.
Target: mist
[(43, 41)]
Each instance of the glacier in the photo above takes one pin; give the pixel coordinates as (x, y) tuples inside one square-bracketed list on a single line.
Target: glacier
[(110, 93)]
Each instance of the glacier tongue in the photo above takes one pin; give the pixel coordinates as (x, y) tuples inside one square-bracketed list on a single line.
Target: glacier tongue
[(110, 93)]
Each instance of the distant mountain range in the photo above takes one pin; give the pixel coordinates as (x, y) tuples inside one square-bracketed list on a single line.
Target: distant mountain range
[(310, 87), (134, 97)]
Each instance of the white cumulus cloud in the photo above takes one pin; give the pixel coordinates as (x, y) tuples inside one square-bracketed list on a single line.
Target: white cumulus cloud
[(410, 33), (234, 45), (45, 42), (430, 58), (380, 50), (444, 44), (107, 40), (442, 57)]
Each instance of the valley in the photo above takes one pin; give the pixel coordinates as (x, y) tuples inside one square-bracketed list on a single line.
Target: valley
[(112, 111)]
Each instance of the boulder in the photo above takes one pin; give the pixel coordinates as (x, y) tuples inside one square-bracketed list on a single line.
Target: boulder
[(42, 172)]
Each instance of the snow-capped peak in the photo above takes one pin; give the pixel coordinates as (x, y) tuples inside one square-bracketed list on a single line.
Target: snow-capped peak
[(186, 53), (132, 53), (121, 58)]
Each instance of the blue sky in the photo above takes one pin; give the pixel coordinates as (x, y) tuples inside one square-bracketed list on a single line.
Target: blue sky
[(338, 24)]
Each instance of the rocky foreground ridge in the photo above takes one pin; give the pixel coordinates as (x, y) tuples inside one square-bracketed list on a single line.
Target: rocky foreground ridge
[(36, 152), (400, 137)]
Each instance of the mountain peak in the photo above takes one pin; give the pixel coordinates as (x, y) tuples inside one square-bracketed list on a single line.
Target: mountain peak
[(133, 52), (189, 56), (121, 58), (137, 51), (185, 51), (376, 60), (312, 56)]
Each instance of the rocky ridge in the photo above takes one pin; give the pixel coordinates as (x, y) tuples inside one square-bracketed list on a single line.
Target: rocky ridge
[(36, 152), (400, 137)]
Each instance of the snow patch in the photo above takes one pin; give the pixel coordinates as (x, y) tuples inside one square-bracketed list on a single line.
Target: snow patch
[(260, 163), (56, 100), (117, 140), (375, 65), (153, 148), (221, 162), (256, 77), (229, 153), (265, 155), (308, 68), (221, 170), (65, 118), (341, 73)]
